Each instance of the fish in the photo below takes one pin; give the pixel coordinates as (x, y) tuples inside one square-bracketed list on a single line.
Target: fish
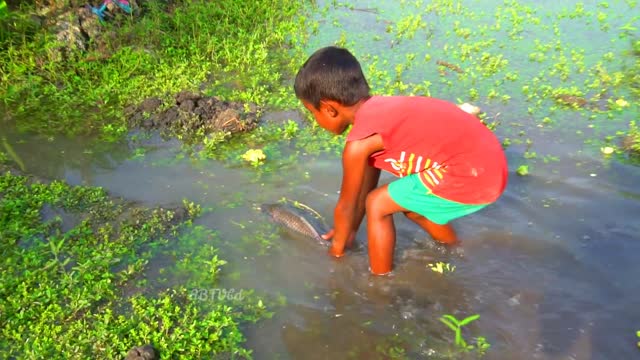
[(297, 220)]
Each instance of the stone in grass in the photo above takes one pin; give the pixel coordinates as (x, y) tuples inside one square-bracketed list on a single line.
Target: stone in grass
[(145, 352)]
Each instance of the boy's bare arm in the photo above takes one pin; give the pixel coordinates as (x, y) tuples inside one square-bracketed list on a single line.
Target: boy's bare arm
[(369, 182), (357, 180)]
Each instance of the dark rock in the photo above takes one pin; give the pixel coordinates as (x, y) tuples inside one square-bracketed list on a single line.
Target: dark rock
[(145, 352), (147, 123), (187, 105), (150, 105), (186, 95)]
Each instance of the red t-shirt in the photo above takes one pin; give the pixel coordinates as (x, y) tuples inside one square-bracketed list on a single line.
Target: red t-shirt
[(458, 158)]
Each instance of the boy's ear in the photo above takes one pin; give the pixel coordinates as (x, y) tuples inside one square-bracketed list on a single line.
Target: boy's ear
[(330, 107)]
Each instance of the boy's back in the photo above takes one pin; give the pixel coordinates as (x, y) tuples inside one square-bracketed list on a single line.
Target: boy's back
[(458, 157)]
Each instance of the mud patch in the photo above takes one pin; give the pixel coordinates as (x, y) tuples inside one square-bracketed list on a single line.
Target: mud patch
[(191, 114)]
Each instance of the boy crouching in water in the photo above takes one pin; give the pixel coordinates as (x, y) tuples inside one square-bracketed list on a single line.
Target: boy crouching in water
[(448, 163)]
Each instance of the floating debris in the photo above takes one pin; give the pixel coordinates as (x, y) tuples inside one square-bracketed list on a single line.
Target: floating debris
[(622, 103), (450, 66), (471, 109), (254, 156), (571, 100), (607, 150)]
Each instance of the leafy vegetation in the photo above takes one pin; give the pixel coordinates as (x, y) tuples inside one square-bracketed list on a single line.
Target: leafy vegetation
[(631, 142), (74, 264), (481, 345), (232, 49)]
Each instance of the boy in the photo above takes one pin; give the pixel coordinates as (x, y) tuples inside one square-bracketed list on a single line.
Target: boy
[(448, 163)]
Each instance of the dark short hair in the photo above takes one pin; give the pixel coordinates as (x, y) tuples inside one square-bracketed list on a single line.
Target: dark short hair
[(331, 73)]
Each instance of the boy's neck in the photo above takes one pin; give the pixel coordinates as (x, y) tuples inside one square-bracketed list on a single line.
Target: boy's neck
[(350, 111)]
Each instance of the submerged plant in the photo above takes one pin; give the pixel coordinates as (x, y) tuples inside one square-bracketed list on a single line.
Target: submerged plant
[(441, 267), (75, 276), (254, 156)]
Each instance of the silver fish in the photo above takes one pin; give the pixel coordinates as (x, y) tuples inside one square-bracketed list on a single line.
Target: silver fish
[(297, 220)]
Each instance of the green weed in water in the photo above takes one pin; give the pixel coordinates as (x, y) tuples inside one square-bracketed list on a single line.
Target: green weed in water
[(631, 141), (75, 265), (481, 345), (441, 267), (523, 170)]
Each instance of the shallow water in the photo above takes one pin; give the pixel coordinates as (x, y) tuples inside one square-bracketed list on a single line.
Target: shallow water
[(551, 267)]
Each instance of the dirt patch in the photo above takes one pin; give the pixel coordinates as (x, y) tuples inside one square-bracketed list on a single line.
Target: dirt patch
[(191, 114)]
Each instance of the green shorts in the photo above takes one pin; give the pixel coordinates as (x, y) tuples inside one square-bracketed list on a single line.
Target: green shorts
[(410, 193)]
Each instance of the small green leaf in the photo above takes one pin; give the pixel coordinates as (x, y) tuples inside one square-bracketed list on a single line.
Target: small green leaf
[(449, 324), (469, 319), (523, 170)]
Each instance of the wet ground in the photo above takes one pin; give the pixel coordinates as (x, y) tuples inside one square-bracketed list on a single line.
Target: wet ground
[(551, 267)]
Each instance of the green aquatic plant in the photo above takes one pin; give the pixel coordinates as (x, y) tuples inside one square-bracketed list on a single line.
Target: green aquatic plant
[(76, 282), (254, 156), (481, 345), (441, 267), (631, 140), (523, 170)]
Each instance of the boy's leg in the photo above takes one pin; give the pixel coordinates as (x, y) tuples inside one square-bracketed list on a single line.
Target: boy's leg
[(442, 233), (381, 231)]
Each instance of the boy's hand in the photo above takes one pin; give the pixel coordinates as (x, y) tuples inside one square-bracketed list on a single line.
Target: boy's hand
[(336, 250), (329, 234)]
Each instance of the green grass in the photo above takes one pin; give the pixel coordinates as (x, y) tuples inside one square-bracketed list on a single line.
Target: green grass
[(238, 50), (631, 140), (77, 284)]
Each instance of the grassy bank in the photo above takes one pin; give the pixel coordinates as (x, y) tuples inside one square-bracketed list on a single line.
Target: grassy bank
[(234, 49), (80, 278)]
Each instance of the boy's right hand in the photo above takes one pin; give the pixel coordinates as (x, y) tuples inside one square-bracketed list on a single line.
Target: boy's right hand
[(337, 250), (329, 234)]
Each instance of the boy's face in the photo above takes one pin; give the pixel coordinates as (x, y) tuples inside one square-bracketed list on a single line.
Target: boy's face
[(328, 116)]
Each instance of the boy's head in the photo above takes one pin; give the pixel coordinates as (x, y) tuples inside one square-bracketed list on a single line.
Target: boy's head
[(328, 84), (331, 73)]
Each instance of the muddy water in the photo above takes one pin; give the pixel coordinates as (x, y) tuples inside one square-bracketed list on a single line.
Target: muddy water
[(551, 267)]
